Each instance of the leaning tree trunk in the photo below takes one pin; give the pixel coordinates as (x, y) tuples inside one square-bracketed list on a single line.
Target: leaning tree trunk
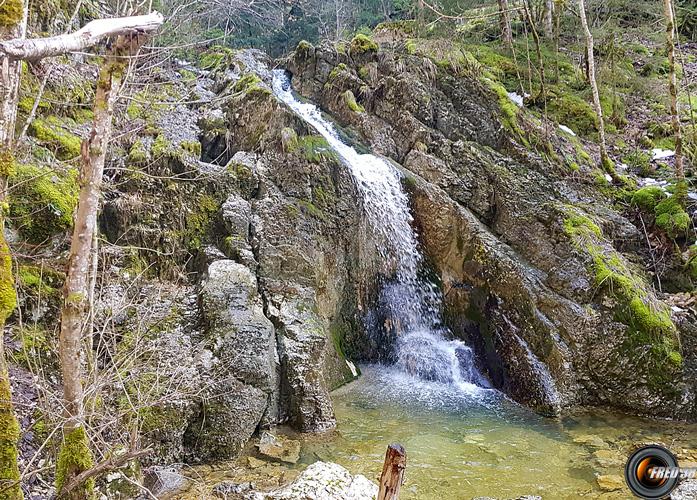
[(604, 157), (13, 22), (75, 456), (505, 22), (681, 191)]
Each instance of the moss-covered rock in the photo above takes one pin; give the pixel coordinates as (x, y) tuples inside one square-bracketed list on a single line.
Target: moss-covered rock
[(672, 218), (362, 44), (54, 133), (350, 101), (315, 149), (636, 306), (43, 201)]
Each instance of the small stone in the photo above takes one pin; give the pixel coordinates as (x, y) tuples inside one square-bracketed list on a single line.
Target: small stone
[(610, 482)]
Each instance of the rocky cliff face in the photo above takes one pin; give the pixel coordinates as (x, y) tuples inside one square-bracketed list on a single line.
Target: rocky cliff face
[(538, 269), (276, 233)]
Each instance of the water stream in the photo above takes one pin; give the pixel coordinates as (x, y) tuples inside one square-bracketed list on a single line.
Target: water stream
[(424, 347)]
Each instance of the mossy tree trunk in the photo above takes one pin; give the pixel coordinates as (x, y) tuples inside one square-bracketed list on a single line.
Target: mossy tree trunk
[(505, 22), (13, 22), (75, 456), (681, 191), (548, 19), (605, 161), (9, 427)]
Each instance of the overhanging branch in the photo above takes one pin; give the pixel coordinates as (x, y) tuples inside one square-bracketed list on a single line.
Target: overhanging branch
[(91, 34)]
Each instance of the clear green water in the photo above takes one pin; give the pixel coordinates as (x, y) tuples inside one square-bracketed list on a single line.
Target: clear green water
[(469, 442)]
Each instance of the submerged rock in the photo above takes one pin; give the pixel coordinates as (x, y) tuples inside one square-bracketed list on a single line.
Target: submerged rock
[(279, 448), (611, 482)]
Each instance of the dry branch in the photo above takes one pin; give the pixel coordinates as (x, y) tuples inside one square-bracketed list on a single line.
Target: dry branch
[(90, 35)]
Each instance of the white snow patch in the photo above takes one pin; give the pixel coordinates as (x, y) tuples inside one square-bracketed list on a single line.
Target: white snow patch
[(662, 154), (567, 130), (517, 98), (608, 177), (677, 309)]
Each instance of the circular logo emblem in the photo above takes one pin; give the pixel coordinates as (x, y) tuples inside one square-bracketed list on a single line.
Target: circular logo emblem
[(652, 472)]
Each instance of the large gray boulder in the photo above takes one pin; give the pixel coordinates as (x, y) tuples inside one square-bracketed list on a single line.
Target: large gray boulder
[(239, 363)]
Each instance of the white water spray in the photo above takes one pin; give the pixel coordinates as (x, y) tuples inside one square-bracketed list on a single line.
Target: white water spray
[(413, 304)]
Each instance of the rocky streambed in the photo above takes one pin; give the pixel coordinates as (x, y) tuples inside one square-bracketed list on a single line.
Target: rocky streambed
[(459, 445)]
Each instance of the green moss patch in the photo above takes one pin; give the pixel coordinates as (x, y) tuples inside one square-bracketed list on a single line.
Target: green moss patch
[(11, 12), (55, 134), (200, 220), (251, 84), (350, 101), (217, 57), (648, 197), (636, 306), (42, 201), (315, 149), (9, 436), (362, 44), (672, 218), (75, 457)]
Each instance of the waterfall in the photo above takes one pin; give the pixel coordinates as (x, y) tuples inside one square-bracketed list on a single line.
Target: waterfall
[(413, 304)]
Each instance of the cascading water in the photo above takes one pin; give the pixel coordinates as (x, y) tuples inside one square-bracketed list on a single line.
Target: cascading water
[(413, 304)]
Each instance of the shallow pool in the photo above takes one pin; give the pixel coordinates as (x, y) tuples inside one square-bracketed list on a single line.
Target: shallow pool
[(466, 442)]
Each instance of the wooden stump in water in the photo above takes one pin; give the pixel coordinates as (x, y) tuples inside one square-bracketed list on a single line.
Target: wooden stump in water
[(392, 472)]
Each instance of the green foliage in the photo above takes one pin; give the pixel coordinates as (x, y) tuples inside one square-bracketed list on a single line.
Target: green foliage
[(138, 154), (42, 201), (672, 218), (54, 133), (362, 44), (648, 197), (75, 457)]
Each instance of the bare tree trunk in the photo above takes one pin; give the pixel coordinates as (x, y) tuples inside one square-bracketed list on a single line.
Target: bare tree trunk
[(10, 72), (681, 191), (505, 22), (548, 18), (538, 50), (604, 157), (74, 314)]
